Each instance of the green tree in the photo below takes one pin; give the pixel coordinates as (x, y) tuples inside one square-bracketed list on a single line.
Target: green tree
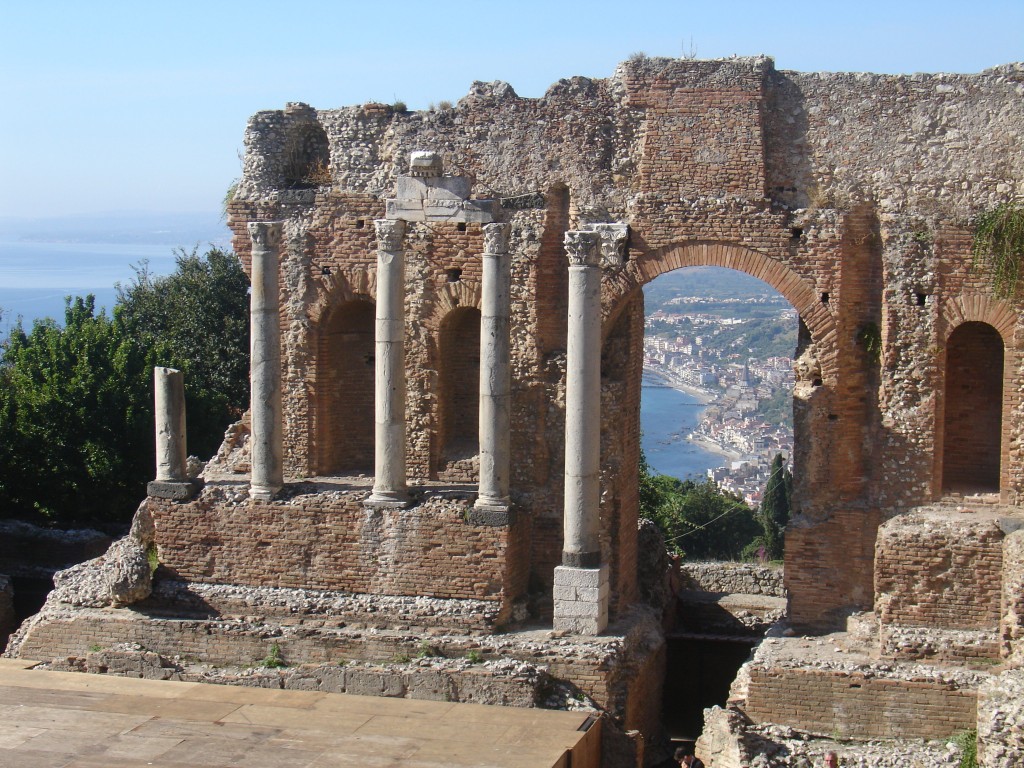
[(76, 403), (76, 441), (197, 320), (773, 514), (699, 520)]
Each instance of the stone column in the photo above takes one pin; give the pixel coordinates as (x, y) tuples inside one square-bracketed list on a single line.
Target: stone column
[(172, 481), (265, 366), (495, 372), (581, 582), (389, 481)]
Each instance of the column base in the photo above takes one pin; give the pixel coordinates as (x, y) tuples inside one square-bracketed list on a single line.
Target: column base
[(264, 492), (388, 499), (581, 599), (176, 490), (486, 513)]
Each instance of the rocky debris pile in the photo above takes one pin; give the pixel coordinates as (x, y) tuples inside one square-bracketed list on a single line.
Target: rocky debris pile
[(1001, 721)]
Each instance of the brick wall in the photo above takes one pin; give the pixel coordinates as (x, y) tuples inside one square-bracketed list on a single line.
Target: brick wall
[(329, 541), (940, 569), (853, 705)]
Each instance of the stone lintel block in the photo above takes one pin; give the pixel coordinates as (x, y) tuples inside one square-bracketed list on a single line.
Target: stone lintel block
[(438, 187), (493, 515), (175, 491), (452, 211), (566, 576)]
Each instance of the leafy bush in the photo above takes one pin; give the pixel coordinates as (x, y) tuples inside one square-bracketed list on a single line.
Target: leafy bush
[(698, 520)]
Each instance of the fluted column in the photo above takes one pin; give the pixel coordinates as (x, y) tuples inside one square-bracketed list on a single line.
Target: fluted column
[(389, 481), (265, 367), (495, 372), (581, 582)]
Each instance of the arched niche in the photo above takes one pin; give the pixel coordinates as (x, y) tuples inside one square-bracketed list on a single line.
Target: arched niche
[(344, 390), (458, 395), (972, 409)]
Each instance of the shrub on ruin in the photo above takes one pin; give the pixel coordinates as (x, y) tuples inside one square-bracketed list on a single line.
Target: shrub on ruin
[(999, 244)]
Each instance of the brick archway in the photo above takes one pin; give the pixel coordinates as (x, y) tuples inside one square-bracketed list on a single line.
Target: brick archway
[(969, 325), (341, 286), (798, 291)]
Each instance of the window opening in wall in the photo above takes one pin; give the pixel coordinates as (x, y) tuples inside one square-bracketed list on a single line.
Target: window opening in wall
[(922, 299), (824, 298), (360, 223), (454, 274), (461, 226), (973, 406), (796, 232)]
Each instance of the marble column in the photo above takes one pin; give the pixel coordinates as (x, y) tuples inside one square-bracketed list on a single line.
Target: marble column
[(495, 370), (581, 582), (172, 481), (265, 367), (169, 415), (389, 480)]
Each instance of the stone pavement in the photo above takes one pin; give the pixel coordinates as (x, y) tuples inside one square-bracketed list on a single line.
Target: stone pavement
[(75, 720)]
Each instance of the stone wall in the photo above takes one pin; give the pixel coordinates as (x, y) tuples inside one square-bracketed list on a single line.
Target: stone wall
[(785, 176), (326, 540), (939, 568), (743, 578), (859, 706)]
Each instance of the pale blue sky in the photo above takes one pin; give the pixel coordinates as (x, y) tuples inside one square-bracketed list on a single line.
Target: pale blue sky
[(136, 106)]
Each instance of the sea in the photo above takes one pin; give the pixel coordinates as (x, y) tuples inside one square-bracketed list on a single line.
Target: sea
[(35, 278), (667, 416)]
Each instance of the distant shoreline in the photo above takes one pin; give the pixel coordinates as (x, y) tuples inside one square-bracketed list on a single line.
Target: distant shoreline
[(702, 395)]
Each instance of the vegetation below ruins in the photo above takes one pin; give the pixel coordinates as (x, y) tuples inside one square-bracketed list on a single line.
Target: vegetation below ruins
[(702, 522), (76, 403)]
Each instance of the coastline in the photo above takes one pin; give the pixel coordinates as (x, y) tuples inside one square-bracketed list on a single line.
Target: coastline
[(703, 396), (713, 447)]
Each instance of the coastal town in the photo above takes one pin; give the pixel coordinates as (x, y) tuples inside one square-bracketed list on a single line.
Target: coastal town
[(695, 344)]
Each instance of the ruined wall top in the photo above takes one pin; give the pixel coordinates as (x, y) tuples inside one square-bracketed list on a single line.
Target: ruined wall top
[(933, 144)]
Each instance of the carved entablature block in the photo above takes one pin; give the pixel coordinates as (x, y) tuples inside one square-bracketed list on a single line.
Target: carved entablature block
[(390, 233), (614, 243), (423, 164), (583, 248), (496, 238)]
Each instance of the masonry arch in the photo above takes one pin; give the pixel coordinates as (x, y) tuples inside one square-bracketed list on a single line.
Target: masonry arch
[(798, 290), (458, 401), (972, 414), (344, 388), (978, 359)]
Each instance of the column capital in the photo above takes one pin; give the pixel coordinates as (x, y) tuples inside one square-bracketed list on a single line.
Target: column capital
[(583, 248), (265, 234), (496, 237), (390, 233)]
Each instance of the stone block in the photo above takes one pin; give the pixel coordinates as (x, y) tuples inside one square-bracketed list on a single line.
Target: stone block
[(393, 685), (332, 679), (429, 685), (566, 576), (499, 517), (175, 491), (564, 593), (574, 608), (363, 683)]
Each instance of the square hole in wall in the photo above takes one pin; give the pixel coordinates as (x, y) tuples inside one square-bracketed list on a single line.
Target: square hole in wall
[(454, 274), (824, 297), (360, 223), (922, 299), (461, 226)]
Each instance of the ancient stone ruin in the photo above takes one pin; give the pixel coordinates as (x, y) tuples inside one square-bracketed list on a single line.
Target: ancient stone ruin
[(441, 456)]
